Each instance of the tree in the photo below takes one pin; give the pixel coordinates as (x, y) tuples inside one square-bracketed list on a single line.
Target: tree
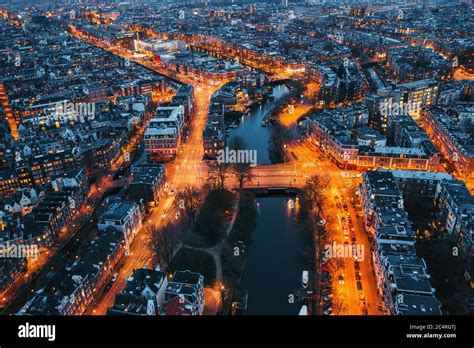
[(218, 173), (315, 192), (242, 170), (338, 303), (336, 265), (164, 241), (189, 200), (243, 173)]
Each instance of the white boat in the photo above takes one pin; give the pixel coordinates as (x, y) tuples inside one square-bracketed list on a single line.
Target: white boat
[(303, 310), (305, 279)]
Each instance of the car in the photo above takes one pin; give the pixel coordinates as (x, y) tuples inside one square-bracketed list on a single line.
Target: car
[(327, 305), (356, 265), (346, 208), (358, 276), (327, 311), (341, 279), (114, 277), (353, 236), (108, 286), (359, 286), (327, 280)]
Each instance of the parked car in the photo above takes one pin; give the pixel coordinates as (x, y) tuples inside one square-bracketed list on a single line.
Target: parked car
[(356, 265), (327, 305), (359, 286)]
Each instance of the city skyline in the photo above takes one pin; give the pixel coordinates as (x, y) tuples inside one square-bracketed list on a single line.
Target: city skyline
[(181, 158)]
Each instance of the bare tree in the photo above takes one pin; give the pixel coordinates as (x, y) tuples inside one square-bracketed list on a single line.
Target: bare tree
[(218, 173), (338, 303), (189, 200), (242, 170), (336, 265), (164, 241), (243, 173), (237, 143), (315, 191)]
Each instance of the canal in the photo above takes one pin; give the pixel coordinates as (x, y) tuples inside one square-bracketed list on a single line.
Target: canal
[(250, 129), (275, 259)]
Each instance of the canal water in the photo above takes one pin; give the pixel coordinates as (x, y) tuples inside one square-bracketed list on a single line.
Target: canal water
[(250, 130), (275, 259)]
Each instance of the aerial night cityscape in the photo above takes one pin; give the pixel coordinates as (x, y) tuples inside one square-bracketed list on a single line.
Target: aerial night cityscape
[(269, 158)]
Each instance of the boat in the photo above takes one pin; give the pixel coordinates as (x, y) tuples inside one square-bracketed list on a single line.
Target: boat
[(305, 279), (303, 310), (240, 301)]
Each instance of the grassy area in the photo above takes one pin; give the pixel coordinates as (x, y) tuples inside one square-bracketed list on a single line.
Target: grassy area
[(211, 220), (233, 254), (195, 261)]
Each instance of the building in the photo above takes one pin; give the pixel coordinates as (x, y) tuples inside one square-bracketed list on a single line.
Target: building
[(405, 99), (147, 184), (448, 129), (71, 289), (411, 63), (125, 217), (143, 294), (163, 134), (214, 132), (456, 206), (419, 183), (335, 139), (402, 277), (10, 270), (184, 294)]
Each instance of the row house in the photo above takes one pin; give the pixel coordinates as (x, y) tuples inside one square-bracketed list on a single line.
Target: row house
[(401, 276), (147, 184), (448, 129), (456, 206), (125, 217), (164, 133), (71, 289), (143, 294), (184, 294)]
